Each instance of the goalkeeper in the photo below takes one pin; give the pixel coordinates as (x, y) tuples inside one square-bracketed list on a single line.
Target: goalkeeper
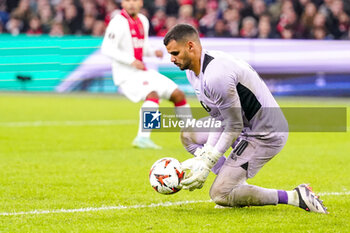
[(253, 125)]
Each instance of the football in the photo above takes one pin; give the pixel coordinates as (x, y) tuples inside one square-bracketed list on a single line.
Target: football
[(165, 176)]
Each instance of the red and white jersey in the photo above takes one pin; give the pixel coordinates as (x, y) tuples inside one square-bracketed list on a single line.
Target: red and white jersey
[(119, 45)]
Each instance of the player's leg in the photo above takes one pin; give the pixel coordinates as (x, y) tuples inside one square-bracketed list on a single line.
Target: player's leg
[(230, 187), (182, 108), (167, 89), (136, 88), (247, 158), (192, 139), (159, 87), (143, 138)]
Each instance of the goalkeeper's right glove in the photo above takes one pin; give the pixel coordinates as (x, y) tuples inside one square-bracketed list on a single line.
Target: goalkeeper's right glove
[(197, 169)]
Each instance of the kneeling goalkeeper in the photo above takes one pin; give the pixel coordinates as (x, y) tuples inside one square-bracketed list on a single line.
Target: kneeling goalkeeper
[(254, 126)]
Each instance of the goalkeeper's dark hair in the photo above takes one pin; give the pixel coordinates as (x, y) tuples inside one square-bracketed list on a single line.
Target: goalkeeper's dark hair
[(181, 32)]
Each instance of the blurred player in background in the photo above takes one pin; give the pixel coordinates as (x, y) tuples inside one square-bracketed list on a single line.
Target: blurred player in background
[(126, 42), (253, 125)]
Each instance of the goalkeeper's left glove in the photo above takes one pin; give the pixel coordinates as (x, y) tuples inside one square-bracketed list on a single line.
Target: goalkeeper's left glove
[(197, 169)]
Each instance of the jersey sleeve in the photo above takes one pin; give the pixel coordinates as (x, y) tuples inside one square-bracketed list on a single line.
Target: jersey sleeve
[(214, 136), (112, 41), (220, 82)]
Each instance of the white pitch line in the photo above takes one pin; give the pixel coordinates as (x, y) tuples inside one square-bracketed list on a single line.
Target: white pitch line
[(334, 193), (121, 207), (66, 123), (91, 209)]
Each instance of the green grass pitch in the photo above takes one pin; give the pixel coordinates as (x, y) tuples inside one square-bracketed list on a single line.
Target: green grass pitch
[(70, 152)]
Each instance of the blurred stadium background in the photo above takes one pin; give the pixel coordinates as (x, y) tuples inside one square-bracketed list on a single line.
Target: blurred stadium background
[(65, 153), (300, 47)]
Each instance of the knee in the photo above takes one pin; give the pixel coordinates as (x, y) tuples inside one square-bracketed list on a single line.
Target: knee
[(177, 96), (219, 196), (228, 197), (152, 95), (187, 140)]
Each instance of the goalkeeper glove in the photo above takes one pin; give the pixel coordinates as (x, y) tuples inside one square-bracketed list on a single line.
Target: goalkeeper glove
[(197, 169)]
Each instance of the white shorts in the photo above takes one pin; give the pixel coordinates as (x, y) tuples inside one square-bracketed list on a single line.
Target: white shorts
[(141, 83)]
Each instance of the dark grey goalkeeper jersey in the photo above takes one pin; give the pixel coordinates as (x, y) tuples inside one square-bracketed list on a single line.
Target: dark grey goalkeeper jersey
[(231, 91)]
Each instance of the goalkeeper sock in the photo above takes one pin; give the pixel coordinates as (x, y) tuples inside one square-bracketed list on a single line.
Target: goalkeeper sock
[(282, 197), (293, 198), (148, 105), (288, 197)]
